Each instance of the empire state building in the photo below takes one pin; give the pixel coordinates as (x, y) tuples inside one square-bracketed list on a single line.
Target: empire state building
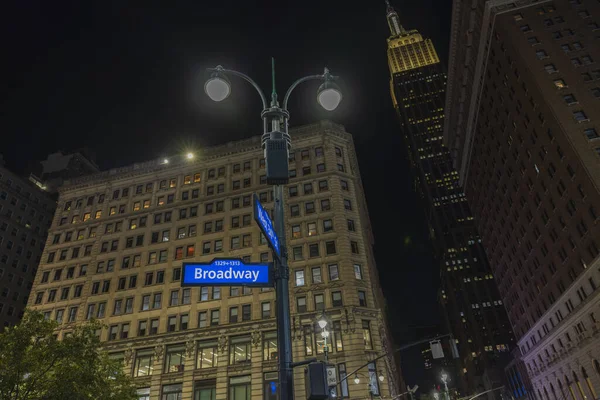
[(469, 297)]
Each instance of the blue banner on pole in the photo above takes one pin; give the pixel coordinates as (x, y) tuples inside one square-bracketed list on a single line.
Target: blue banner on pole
[(266, 226), (226, 272)]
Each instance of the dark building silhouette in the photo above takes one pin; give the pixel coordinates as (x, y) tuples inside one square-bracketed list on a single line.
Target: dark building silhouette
[(522, 118), (471, 304), (27, 206)]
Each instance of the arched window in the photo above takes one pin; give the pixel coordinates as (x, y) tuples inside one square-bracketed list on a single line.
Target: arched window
[(570, 388), (588, 383), (578, 384)]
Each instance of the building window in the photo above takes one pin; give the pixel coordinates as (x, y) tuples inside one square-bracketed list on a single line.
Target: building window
[(214, 317), (299, 277), (354, 247), (362, 298), (308, 188), (366, 327), (580, 116), (541, 54), (330, 247), (308, 341), (240, 388), (175, 358), (319, 302), (270, 345), (296, 231), (313, 250), (570, 99), (316, 275), (550, 68), (240, 349), (266, 310), (358, 271), (246, 312), (172, 392), (301, 304), (233, 315), (207, 354), (333, 272), (143, 362), (336, 299), (297, 253)]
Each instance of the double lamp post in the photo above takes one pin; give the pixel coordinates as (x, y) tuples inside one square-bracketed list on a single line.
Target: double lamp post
[(276, 143)]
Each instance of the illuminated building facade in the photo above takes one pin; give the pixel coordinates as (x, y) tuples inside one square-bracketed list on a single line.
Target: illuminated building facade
[(131, 228), (472, 307)]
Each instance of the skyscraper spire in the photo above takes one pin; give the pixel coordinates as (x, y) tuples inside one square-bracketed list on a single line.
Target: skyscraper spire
[(393, 20)]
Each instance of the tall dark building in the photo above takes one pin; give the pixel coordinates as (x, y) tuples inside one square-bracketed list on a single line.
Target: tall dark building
[(474, 313), (523, 119), (26, 210)]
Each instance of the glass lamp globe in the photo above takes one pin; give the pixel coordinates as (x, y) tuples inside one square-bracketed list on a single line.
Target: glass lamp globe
[(329, 96), (217, 88)]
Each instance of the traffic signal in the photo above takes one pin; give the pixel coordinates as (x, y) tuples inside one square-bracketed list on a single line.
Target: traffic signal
[(315, 379)]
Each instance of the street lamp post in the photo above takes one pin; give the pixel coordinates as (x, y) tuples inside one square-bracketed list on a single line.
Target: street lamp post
[(323, 322), (276, 143), (445, 380)]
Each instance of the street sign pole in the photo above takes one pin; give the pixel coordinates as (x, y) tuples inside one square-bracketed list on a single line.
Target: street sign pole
[(275, 234), (284, 332)]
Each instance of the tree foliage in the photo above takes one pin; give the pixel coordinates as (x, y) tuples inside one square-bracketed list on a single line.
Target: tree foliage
[(35, 365)]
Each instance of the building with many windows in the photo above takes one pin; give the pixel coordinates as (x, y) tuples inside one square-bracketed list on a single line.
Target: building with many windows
[(118, 240), (522, 116), (469, 296), (25, 215)]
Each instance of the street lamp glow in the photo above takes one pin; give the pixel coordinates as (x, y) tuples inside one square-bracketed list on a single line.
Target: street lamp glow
[(381, 377), (325, 334), (322, 323), (217, 88), (356, 379), (329, 95), (444, 376), (189, 156), (166, 161)]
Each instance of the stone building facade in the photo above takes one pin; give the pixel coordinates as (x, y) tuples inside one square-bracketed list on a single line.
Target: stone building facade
[(565, 364), (131, 228)]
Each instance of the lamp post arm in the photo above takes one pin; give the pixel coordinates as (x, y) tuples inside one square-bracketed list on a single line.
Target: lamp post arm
[(404, 347), (246, 78), (299, 81)]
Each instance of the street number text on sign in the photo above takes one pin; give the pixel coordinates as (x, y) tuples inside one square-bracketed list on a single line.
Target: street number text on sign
[(266, 226), (226, 272)]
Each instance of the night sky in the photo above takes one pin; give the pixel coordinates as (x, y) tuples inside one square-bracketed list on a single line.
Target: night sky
[(123, 81)]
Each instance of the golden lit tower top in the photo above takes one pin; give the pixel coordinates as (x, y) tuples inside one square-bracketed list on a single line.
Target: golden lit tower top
[(407, 49)]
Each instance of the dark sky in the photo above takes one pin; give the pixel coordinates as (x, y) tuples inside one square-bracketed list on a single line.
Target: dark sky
[(118, 77)]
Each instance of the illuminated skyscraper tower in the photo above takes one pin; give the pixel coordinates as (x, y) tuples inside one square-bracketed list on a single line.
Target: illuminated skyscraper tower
[(469, 297)]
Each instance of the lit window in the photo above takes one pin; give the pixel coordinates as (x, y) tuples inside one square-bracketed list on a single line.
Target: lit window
[(560, 83)]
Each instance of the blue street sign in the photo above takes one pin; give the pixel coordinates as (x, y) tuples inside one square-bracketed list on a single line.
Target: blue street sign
[(266, 226), (226, 272)]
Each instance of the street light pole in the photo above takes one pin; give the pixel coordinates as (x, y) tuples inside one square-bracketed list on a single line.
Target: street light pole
[(445, 380), (275, 131)]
